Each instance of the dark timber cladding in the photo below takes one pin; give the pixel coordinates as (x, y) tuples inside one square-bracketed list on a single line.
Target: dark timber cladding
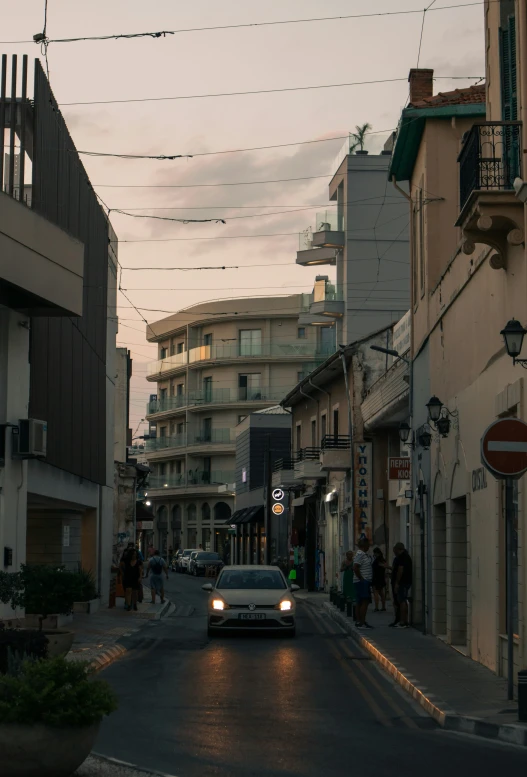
[(68, 355)]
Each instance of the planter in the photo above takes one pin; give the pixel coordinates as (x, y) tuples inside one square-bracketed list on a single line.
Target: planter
[(59, 642), (51, 622), (86, 607), (42, 751)]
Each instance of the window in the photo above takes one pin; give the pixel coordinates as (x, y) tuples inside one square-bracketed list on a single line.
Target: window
[(298, 437), (327, 339), (162, 394), (180, 389), (509, 97), (180, 347), (181, 428), (265, 580), (207, 465), (163, 353), (172, 389), (299, 377), (172, 349), (249, 386), (313, 434), (162, 431), (301, 333), (207, 389), (250, 342), (178, 467), (206, 434), (207, 339), (162, 469), (336, 423), (323, 425), (421, 244)]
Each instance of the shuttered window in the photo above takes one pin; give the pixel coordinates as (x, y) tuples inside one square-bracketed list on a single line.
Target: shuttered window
[(509, 80)]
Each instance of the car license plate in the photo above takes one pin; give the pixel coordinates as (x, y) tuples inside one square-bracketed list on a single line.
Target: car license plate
[(252, 616)]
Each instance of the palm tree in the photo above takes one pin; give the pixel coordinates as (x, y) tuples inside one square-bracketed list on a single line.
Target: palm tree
[(359, 136)]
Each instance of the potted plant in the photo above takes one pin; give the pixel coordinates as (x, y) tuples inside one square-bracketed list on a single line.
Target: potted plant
[(50, 713), (87, 596), (359, 137), (17, 644)]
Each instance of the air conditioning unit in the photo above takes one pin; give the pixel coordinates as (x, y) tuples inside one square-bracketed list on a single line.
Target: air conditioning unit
[(32, 437)]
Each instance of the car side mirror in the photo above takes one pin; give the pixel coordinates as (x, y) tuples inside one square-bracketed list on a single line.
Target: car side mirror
[(295, 587), (207, 587)]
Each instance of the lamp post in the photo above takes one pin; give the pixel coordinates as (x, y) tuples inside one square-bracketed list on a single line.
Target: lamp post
[(513, 334)]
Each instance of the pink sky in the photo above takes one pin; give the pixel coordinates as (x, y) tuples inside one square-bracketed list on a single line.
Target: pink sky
[(226, 61)]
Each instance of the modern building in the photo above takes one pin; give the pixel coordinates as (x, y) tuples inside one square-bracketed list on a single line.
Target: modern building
[(218, 363), (364, 234), (58, 262), (259, 535), (468, 279)]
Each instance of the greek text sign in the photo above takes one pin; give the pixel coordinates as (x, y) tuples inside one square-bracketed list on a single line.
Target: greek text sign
[(399, 468), (362, 490)]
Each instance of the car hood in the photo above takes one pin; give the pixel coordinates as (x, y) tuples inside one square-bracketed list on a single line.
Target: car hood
[(251, 596)]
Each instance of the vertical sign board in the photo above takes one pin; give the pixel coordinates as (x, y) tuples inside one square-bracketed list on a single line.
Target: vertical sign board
[(362, 490)]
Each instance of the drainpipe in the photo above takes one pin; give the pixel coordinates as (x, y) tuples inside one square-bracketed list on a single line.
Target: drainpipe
[(342, 351)]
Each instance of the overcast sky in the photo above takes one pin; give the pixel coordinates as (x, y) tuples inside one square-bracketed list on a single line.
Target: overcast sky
[(194, 63)]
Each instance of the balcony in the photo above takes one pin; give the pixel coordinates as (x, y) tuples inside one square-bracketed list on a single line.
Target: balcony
[(489, 162), (308, 256), (156, 444), (194, 481), (234, 396), (335, 453), (256, 351), (166, 404), (386, 403), (169, 364), (284, 474), (326, 300), (214, 439), (307, 464), (321, 245)]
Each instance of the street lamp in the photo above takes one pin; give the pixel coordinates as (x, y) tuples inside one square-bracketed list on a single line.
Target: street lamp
[(513, 335), (439, 416), (425, 439), (404, 432), (434, 406)]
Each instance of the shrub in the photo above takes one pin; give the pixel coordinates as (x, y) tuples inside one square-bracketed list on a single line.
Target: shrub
[(85, 586), (19, 644), (47, 590), (54, 692)]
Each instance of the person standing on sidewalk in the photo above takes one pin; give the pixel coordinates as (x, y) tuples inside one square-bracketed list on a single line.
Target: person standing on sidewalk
[(362, 577), (131, 580), (379, 566), (402, 578), (156, 568), (346, 569)]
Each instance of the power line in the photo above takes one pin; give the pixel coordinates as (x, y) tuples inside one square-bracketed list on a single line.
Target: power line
[(258, 91), (202, 185)]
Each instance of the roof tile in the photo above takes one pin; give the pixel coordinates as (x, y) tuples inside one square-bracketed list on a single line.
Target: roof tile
[(470, 95)]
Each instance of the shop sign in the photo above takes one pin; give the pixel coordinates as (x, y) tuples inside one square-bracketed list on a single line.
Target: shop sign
[(401, 334), (479, 479), (362, 490), (399, 468), (147, 525)]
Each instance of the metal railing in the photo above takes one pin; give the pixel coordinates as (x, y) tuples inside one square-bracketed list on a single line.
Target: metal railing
[(490, 158), (192, 478), (168, 403), (308, 454), (160, 443), (340, 442), (211, 437), (284, 464)]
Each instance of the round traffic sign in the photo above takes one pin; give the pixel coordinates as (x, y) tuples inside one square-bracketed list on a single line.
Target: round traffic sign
[(278, 494), (504, 448), (277, 508)]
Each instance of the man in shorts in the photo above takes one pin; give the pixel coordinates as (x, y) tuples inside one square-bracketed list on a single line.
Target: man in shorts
[(402, 577), (362, 577), (156, 568)]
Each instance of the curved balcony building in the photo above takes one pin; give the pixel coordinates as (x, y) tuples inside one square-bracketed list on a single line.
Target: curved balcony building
[(217, 363)]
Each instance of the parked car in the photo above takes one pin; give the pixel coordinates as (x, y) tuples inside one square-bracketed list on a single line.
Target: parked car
[(251, 597), (203, 559), (185, 559)]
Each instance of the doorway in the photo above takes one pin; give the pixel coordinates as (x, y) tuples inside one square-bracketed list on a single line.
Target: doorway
[(457, 573), (439, 570)]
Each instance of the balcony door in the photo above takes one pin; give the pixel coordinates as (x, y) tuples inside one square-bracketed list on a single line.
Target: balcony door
[(250, 342), (206, 433), (207, 389), (249, 386)]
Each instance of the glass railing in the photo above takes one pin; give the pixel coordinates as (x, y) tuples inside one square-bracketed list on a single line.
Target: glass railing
[(168, 403), (252, 350), (212, 437), (160, 443), (192, 479), (305, 239), (166, 481), (327, 221), (225, 395), (166, 364)]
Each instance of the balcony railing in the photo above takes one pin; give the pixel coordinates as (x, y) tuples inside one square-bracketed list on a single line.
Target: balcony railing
[(252, 351), (192, 479), (166, 364), (490, 158), (308, 454), (212, 437), (328, 221), (166, 481), (166, 404), (329, 292), (226, 395), (284, 464), (161, 443), (336, 442)]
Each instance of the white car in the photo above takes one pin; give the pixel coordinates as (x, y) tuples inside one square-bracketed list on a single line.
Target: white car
[(184, 561), (249, 598)]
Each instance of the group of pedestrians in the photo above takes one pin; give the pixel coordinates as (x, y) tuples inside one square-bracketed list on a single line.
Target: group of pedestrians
[(132, 567), (362, 574)]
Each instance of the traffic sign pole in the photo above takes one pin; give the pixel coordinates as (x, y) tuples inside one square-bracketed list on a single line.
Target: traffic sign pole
[(509, 520)]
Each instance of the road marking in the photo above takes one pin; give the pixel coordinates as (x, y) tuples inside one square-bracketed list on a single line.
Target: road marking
[(366, 695), (507, 446)]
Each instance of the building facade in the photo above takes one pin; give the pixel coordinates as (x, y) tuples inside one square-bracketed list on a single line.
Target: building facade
[(364, 234), (468, 280), (218, 362)]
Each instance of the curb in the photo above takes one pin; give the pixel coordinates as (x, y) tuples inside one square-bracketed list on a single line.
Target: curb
[(107, 657), (125, 765), (444, 715)]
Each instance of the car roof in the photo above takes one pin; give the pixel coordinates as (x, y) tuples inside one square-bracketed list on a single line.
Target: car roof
[(253, 567)]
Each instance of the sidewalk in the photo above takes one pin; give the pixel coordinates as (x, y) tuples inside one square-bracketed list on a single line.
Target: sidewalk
[(460, 694), (97, 635), (99, 766)]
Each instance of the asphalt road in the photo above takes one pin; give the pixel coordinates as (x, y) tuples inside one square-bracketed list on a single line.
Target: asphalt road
[(264, 706)]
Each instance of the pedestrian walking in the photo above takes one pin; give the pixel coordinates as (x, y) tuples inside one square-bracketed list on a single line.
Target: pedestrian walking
[(156, 568), (362, 577), (131, 580), (346, 569), (402, 578), (379, 567)]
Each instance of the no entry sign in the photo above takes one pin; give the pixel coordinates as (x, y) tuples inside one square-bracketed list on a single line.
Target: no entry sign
[(504, 448), (399, 468)]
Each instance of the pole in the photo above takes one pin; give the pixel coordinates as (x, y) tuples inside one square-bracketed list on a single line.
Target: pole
[(509, 524), (268, 490), (422, 525), (352, 446)]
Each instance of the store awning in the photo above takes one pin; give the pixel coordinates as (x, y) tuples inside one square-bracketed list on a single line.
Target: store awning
[(254, 514), (142, 513)]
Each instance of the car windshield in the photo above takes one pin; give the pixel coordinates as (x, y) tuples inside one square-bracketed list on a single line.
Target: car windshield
[(208, 557), (186, 552), (259, 579)]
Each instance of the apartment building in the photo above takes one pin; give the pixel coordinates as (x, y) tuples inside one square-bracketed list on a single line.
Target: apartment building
[(218, 362), (468, 280), (363, 233), (57, 333)]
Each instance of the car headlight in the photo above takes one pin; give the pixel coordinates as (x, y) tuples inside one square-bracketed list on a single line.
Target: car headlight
[(218, 604), (286, 604)]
